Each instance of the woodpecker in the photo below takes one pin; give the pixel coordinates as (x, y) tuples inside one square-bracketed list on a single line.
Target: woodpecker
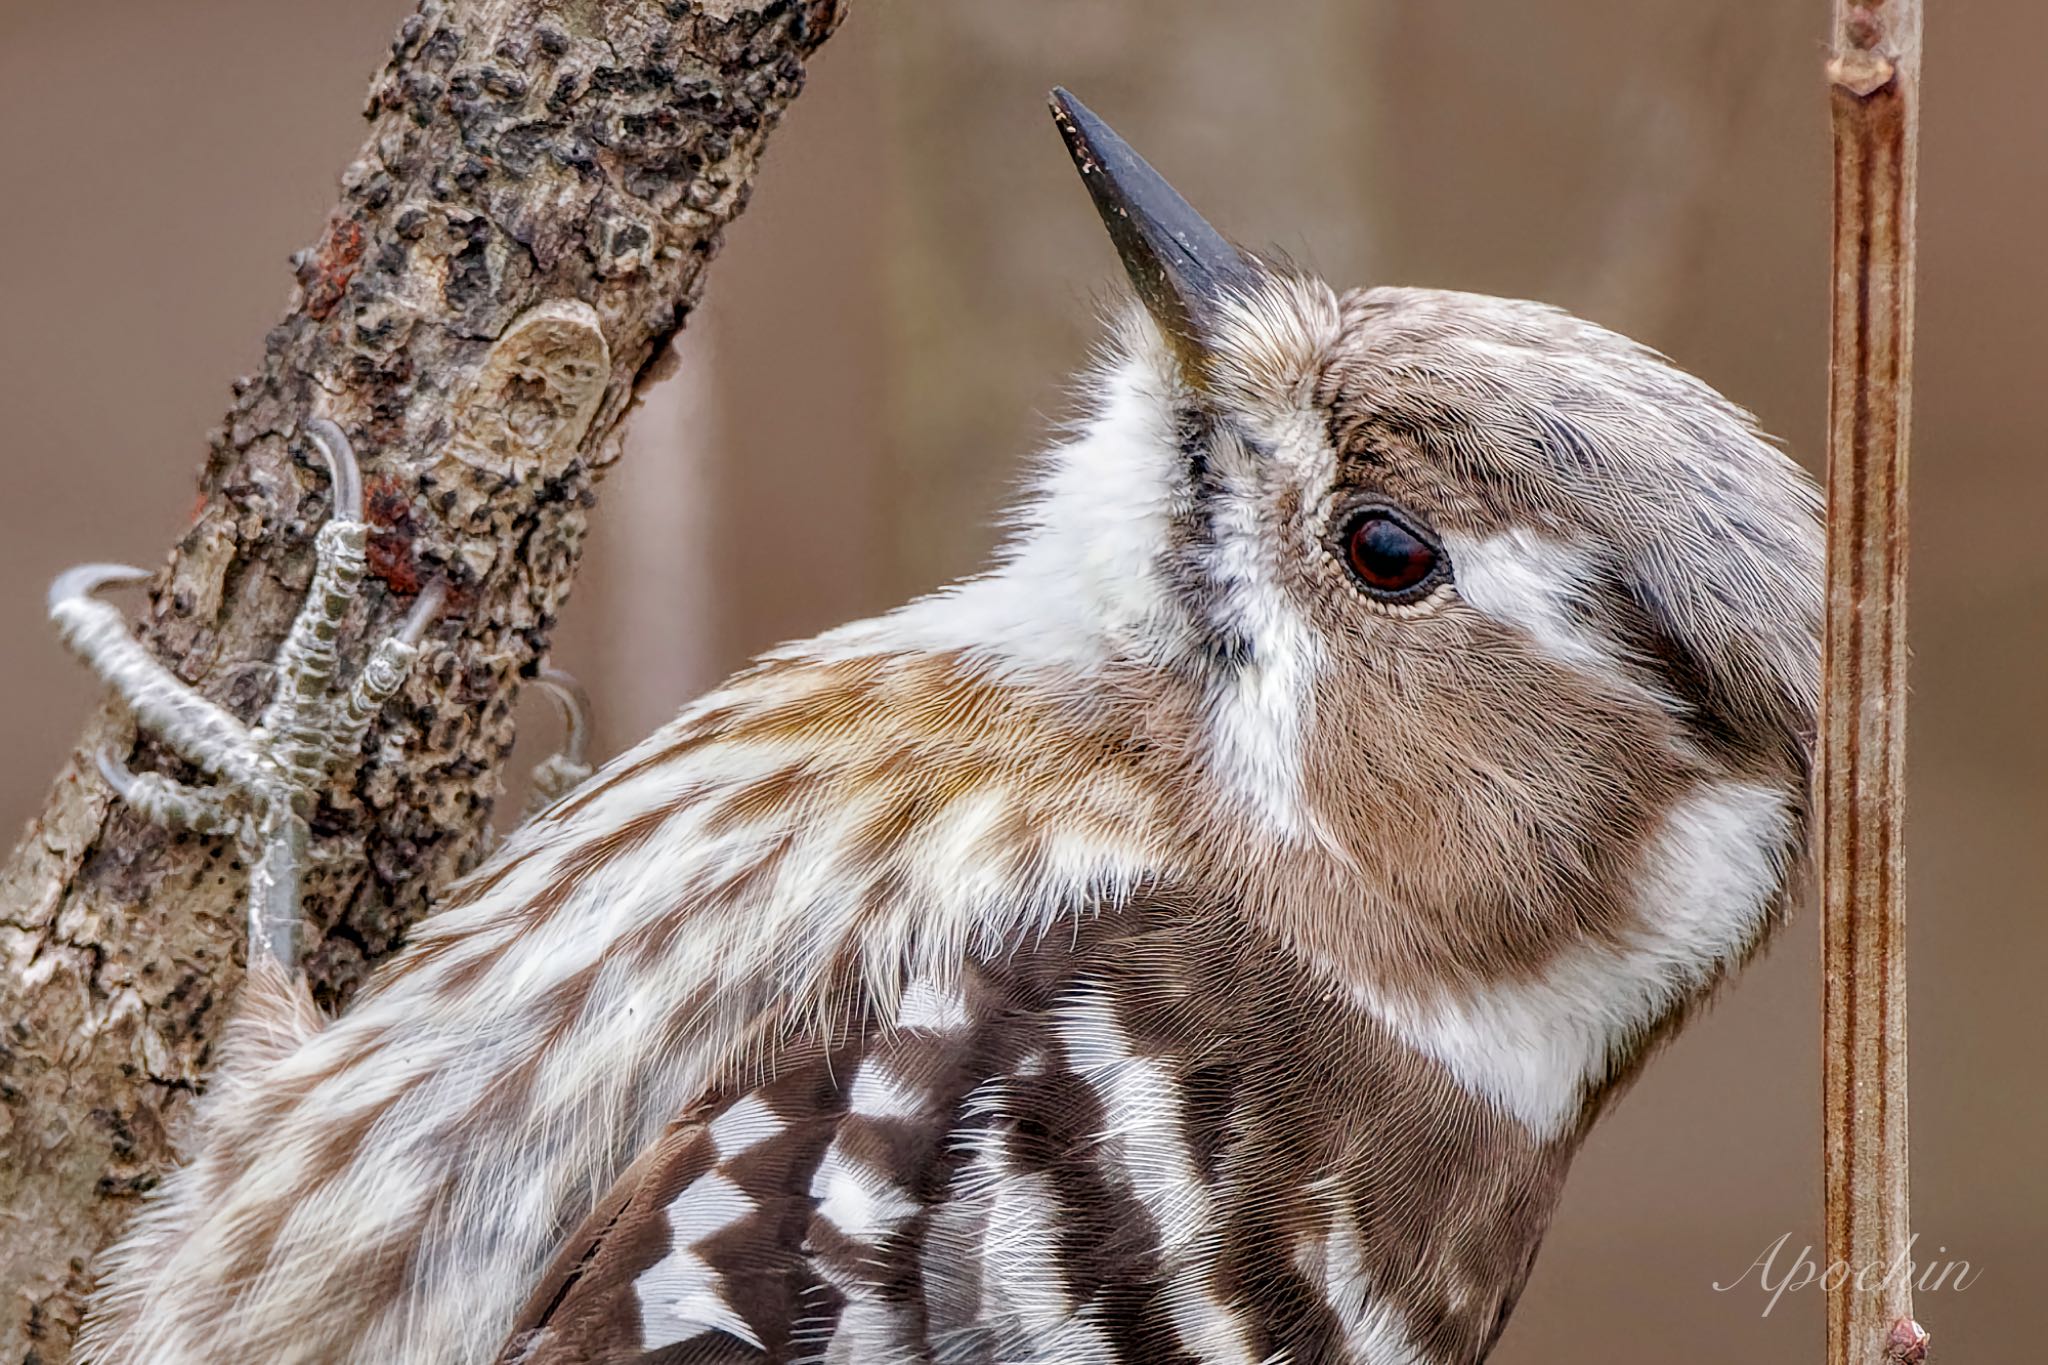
[(1204, 936)]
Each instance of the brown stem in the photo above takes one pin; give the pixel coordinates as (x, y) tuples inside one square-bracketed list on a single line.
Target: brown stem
[(1873, 84), (526, 225)]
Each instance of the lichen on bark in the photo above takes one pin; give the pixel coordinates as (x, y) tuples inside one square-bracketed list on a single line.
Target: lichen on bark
[(525, 227)]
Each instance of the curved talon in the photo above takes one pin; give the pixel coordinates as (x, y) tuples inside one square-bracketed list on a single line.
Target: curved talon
[(343, 472), (83, 580), (559, 774), (192, 726), (116, 774), (574, 704), (425, 608)]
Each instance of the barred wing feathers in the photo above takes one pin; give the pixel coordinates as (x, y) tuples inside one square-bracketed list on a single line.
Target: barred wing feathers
[(858, 1003), (1105, 1148)]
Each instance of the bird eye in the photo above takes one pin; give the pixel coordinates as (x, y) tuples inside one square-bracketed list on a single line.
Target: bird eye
[(1389, 557)]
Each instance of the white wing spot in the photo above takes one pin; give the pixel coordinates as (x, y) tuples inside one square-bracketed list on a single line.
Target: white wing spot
[(863, 1206), (681, 1297), (1373, 1331), (1019, 1249), (747, 1123), (710, 1205), (877, 1094), (1142, 1130), (926, 1005)]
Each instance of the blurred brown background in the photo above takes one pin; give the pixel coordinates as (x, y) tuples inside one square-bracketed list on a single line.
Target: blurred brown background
[(889, 333)]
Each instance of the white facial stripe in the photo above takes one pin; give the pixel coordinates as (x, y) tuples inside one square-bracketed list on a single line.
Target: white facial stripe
[(1258, 709), (1083, 583), (1255, 718), (1529, 582), (1532, 1047)]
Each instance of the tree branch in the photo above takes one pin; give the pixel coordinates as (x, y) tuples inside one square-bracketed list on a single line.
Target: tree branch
[(525, 227), (1874, 85)]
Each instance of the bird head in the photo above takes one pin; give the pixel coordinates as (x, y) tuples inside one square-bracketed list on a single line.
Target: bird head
[(1494, 635)]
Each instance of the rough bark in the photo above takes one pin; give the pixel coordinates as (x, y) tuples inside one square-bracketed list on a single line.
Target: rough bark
[(525, 227)]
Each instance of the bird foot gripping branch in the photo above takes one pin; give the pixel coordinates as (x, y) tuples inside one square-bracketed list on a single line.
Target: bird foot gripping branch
[(266, 777)]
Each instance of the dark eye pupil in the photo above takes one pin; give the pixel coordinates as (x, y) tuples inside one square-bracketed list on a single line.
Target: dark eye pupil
[(1387, 556)]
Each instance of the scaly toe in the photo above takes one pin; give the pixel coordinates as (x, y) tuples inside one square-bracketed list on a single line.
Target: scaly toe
[(166, 802)]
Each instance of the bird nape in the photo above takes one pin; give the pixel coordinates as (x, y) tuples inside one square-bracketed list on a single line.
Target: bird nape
[(1205, 935)]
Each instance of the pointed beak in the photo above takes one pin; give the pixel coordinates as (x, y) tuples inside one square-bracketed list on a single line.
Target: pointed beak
[(1182, 269)]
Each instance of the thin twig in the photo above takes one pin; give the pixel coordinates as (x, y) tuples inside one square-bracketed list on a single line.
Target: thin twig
[(1874, 87)]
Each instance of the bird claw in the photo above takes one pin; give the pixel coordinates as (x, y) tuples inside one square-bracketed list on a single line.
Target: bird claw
[(344, 475), (81, 581), (266, 777), (164, 801), (560, 773)]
